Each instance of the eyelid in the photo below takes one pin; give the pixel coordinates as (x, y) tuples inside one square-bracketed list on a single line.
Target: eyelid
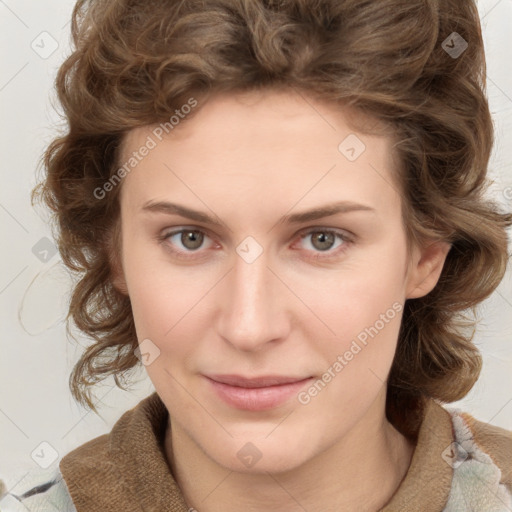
[(341, 232)]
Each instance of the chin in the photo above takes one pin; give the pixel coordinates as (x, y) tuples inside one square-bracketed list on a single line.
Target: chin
[(262, 455), (281, 462)]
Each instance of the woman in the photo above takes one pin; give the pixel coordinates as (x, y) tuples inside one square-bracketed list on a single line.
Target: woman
[(277, 208)]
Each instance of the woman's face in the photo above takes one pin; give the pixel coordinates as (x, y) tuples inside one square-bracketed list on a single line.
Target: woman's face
[(267, 327)]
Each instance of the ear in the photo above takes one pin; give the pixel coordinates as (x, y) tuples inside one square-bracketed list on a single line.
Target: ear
[(425, 268)]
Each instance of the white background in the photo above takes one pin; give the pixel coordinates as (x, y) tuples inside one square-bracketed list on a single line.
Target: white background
[(36, 356)]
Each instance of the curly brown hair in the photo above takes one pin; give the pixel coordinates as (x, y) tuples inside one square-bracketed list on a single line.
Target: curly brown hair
[(135, 62)]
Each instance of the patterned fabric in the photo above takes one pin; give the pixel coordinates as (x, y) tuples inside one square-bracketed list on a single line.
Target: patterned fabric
[(476, 478), (43, 492)]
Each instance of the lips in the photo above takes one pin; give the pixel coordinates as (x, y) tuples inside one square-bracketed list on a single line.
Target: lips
[(256, 393), (255, 382)]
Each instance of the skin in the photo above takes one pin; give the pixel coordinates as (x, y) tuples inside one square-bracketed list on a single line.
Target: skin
[(249, 159)]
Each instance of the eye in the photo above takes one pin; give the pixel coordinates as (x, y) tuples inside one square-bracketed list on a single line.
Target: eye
[(324, 241), (190, 240), (183, 243)]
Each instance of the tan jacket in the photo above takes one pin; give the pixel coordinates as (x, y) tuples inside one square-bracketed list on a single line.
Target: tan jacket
[(459, 464)]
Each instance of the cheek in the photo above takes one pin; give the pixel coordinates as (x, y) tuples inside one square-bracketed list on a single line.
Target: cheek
[(354, 298), (164, 314), (158, 294), (151, 296), (356, 362), (163, 307), (362, 306), (171, 307)]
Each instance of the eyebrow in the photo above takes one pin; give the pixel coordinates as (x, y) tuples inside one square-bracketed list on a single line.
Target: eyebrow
[(295, 218)]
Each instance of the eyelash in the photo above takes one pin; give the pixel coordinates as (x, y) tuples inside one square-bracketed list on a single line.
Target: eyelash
[(319, 256)]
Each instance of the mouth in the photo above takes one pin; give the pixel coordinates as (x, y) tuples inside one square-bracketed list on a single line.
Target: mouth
[(256, 393)]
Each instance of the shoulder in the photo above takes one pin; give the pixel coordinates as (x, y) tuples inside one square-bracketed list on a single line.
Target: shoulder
[(38, 491)]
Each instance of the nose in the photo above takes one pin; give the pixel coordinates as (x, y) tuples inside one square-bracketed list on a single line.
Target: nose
[(252, 306)]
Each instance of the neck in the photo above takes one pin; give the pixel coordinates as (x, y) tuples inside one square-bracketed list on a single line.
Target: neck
[(361, 471)]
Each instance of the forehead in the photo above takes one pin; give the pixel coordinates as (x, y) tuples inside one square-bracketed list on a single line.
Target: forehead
[(243, 114), (263, 145)]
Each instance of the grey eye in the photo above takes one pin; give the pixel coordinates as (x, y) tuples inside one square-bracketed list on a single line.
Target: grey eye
[(191, 239), (322, 240)]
